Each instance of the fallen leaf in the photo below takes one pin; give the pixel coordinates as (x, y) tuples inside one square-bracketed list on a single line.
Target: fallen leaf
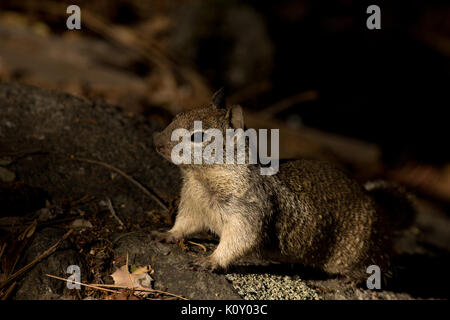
[(141, 270), (122, 277), (81, 223), (45, 214), (29, 231)]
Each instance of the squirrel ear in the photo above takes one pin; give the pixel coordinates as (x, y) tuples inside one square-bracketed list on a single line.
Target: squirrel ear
[(235, 116), (218, 100)]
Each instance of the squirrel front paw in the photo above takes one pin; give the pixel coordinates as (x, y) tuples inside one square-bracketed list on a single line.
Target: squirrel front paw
[(166, 237), (205, 264)]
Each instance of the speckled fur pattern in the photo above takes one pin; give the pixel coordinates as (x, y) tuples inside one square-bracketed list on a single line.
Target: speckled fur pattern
[(310, 212)]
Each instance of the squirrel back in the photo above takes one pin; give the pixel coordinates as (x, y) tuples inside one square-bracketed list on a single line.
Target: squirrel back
[(327, 220)]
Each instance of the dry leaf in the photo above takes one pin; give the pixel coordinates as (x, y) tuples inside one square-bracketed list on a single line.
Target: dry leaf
[(29, 231), (139, 278), (122, 277), (145, 269), (81, 223)]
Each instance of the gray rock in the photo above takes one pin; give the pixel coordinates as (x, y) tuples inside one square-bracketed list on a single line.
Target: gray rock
[(94, 130), (271, 287), (35, 285), (172, 272)]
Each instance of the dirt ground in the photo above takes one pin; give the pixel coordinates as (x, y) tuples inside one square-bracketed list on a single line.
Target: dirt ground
[(59, 159)]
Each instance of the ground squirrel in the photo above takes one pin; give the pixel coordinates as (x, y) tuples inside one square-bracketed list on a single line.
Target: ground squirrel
[(310, 212)]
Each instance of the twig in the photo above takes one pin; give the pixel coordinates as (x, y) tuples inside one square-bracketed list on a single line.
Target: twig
[(9, 290), (3, 249), (198, 244), (113, 212), (82, 284), (22, 154), (84, 198), (129, 178), (102, 286), (56, 221), (123, 235), (140, 289), (32, 263), (129, 274), (284, 104)]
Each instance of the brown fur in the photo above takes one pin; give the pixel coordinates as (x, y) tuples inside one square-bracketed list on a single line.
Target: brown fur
[(310, 212)]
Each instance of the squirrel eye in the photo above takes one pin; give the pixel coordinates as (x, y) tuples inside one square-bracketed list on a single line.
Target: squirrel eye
[(198, 136)]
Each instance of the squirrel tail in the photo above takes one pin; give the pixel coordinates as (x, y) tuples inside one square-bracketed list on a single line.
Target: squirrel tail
[(395, 201)]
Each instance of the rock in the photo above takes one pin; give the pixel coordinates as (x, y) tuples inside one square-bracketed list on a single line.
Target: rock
[(172, 272), (35, 285), (271, 287), (51, 127)]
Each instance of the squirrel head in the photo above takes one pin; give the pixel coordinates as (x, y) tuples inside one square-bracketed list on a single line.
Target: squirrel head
[(214, 116)]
